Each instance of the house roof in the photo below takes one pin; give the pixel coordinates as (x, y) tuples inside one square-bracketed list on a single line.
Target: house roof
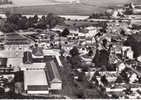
[(3, 62), (53, 73), (37, 51), (15, 39)]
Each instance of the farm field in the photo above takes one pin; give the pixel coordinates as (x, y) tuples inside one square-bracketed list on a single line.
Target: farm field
[(85, 7)]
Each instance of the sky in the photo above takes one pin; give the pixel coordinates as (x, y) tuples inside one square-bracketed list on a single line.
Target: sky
[(43, 2), (30, 2), (37, 2)]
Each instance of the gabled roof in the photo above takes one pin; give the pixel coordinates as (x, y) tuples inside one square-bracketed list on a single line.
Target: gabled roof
[(37, 51), (16, 39), (53, 73), (3, 62)]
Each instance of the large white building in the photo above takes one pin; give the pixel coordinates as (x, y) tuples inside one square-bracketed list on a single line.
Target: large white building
[(35, 82), (42, 75)]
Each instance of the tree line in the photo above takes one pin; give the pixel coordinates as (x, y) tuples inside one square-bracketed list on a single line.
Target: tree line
[(16, 22)]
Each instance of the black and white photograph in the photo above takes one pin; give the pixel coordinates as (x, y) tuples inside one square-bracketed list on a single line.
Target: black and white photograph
[(70, 49)]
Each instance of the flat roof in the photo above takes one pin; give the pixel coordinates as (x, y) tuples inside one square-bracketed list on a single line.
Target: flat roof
[(35, 65), (35, 78), (16, 62), (11, 54)]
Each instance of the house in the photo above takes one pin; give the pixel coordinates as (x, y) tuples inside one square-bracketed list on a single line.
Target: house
[(92, 31), (127, 51)]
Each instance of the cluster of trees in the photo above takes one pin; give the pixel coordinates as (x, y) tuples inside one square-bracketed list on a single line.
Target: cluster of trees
[(136, 27), (89, 89), (2, 2), (65, 32), (134, 41), (18, 22), (75, 59)]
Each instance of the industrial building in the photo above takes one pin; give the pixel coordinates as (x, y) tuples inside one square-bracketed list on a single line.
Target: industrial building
[(14, 41), (35, 82), (42, 76)]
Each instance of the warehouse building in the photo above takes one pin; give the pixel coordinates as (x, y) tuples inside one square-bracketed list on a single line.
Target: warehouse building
[(42, 77), (35, 82)]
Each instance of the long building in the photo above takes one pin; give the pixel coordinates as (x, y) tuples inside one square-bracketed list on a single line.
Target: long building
[(14, 41), (53, 76), (42, 76), (35, 82)]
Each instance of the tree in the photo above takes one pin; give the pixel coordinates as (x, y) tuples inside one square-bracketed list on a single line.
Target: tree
[(13, 18), (42, 23), (134, 41), (80, 94), (53, 20), (65, 32), (81, 76), (101, 58), (75, 59), (14, 22), (104, 26), (90, 53), (74, 51), (8, 27), (22, 23), (35, 19), (96, 58), (32, 21)]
